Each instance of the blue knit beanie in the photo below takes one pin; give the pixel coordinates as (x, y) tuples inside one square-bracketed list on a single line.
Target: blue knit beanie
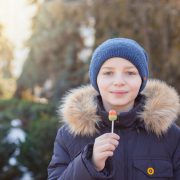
[(123, 48)]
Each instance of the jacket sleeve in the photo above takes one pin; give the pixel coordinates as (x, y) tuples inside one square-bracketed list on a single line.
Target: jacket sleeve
[(176, 161), (62, 167)]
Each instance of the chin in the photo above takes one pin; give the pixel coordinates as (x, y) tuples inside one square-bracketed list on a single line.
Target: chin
[(119, 104)]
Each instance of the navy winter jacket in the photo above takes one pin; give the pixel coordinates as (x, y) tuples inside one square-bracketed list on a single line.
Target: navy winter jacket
[(149, 145)]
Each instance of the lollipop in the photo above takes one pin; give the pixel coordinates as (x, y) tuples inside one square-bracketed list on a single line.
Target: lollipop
[(112, 117)]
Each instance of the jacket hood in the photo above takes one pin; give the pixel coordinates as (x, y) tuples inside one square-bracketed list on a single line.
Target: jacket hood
[(162, 107)]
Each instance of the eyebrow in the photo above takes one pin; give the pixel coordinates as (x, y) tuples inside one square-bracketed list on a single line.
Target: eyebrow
[(107, 67), (130, 67)]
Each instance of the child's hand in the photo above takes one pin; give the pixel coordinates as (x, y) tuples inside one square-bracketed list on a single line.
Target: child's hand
[(104, 147)]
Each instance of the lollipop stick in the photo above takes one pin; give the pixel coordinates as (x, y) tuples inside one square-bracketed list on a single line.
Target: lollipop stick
[(112, 127)]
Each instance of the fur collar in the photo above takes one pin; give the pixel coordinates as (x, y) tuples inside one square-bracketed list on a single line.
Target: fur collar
[(161, 108)]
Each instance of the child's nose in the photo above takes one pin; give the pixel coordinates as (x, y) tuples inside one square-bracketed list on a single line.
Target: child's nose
[(119, 80)]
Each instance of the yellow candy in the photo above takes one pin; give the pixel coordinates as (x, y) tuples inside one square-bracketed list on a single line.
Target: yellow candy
[(112, 115)]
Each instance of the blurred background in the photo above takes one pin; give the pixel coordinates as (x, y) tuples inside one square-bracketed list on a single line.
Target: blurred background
[(45, 49)]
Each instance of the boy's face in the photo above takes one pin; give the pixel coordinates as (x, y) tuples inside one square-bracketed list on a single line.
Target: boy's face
[(119, 83)]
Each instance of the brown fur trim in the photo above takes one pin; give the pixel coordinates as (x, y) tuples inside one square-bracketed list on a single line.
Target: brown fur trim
[(79, 111), (161, 109)]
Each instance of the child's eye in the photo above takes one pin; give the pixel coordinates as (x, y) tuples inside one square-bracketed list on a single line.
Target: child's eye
[(131, 73), (108, 73)]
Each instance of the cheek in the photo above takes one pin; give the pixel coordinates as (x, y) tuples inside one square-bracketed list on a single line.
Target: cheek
[(136, 84), (102, 82), (101, 85)]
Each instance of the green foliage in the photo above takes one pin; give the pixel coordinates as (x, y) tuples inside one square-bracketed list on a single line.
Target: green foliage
[(40, 123), (6, 151), (36, 151), (26, 111), (12, 172)]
